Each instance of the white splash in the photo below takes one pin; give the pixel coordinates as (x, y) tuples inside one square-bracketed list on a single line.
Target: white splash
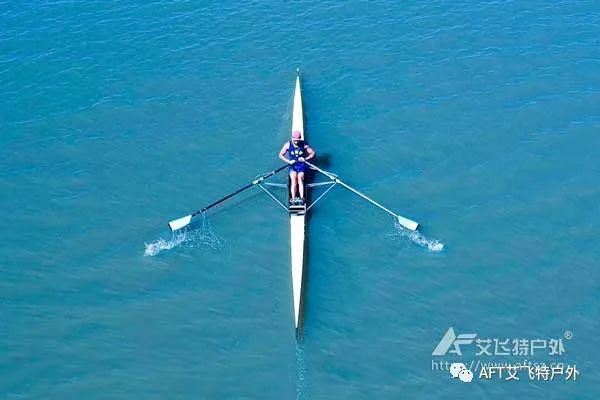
[(161, 244), (189, 237), (418, 238)]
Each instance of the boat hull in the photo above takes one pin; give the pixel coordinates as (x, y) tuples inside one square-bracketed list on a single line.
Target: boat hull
[(297, 221)]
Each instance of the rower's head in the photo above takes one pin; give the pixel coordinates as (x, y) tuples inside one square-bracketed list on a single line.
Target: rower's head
[(296, 136)]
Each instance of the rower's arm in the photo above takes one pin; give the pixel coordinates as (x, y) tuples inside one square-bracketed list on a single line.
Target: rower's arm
[(282, 153), (311, 153)]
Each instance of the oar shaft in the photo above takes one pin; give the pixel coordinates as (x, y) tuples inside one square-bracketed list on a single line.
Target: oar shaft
[(327, 174), (240, 190), (182, 222), (412, 225), (350, 188), (367, 198), (222, 199)]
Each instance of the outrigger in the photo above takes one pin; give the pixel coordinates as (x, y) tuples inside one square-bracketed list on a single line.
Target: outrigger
[(297, 212)]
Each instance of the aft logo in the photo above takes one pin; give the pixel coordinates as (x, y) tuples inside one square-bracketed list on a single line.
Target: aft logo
[(451, 340)]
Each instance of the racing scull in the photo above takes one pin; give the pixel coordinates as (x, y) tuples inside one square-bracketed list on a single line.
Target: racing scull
[(297, 213)]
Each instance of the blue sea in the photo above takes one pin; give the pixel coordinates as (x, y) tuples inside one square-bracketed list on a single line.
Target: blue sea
[(479, 120)]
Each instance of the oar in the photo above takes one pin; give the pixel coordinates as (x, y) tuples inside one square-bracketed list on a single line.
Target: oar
[(405, 222), (185, 221)]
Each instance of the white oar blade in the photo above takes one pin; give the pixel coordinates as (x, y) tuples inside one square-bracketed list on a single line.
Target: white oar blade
[(180, 223), (407, 223)]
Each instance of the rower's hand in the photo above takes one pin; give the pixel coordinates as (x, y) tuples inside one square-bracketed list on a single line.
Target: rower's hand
[(292, 162), (301, 159)]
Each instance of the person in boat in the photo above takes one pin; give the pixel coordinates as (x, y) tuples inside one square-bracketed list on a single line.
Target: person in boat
[(299, 151)]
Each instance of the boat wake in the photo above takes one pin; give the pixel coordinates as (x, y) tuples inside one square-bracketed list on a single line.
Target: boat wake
[(433, 245), (300, 373), (202, 236)]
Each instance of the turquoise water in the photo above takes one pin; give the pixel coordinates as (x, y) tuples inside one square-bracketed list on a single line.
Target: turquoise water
[(479, 120)]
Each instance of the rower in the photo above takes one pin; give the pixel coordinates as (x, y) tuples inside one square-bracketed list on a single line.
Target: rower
[(299, 151)]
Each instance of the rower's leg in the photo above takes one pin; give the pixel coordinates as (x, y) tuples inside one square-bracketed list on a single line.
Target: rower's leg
[(294, 183), (301, 184)]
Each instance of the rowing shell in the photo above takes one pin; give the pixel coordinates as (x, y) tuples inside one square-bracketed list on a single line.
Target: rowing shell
[(297, 219), (297, 213)]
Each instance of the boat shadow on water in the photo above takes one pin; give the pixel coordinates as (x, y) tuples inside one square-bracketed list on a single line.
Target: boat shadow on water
[(324, 160)]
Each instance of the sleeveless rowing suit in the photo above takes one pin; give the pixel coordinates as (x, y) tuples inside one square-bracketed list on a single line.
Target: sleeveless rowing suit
[(295, 152)]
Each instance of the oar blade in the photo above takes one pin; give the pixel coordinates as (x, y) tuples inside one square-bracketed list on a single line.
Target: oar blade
[(407, 223), (179, 223)]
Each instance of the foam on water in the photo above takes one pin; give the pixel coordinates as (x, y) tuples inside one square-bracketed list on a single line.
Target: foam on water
[(201, 236), (419, 239), (161, 244)]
